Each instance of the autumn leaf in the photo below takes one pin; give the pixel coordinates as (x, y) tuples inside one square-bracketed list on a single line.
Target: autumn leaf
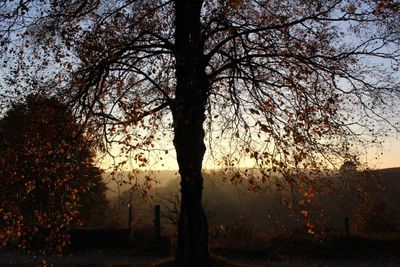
[(304, 212), (235, 3)]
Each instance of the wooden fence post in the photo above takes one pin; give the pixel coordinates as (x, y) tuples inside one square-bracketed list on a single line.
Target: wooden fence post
[(157, 222), (347, 226), (130, 215)]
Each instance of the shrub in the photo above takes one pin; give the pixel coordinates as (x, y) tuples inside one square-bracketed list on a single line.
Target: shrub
[(374, 215)]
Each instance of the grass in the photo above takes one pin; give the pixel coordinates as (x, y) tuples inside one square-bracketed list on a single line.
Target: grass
[(236, 247), (216, 261), (331, 248)]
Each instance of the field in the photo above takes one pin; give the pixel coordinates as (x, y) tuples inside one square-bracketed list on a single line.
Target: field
[(233, 247), (241, 234)]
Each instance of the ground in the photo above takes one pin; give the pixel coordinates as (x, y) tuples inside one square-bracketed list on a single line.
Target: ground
[(284, 249)]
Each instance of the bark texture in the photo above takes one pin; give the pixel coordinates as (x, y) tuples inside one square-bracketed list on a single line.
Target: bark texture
[(189, 116)]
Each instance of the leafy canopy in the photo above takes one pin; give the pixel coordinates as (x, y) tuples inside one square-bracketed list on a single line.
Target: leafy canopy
[(285, 85), (288, 82)]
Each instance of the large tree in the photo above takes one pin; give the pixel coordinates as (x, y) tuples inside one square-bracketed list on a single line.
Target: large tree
[(48, 177), (287, 84)]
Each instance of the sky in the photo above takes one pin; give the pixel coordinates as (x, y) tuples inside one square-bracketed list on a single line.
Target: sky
[(388, 156)]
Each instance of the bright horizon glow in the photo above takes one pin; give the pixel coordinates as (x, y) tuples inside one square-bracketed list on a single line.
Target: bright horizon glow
[(390, 157), (387, 157)]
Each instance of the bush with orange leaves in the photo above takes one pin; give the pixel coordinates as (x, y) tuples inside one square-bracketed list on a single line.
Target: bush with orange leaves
[(46, 171)]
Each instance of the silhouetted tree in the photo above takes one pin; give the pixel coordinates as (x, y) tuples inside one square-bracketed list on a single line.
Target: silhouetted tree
[(281, 83), (48, 178), (374, 215), (93, 204), (348, 167)]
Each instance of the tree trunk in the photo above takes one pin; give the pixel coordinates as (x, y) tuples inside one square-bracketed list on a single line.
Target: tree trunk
[(189, 116)]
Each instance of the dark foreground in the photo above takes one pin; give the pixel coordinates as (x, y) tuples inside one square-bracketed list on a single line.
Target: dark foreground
[(279, 250)]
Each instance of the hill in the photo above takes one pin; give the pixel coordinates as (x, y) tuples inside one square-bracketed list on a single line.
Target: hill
[(227, 203)]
